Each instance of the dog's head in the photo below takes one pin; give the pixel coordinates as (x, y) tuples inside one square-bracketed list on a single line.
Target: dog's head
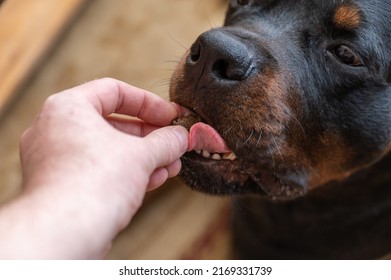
[(299, 91)]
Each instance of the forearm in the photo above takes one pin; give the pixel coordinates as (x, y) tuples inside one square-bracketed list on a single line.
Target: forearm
[(43, 224)]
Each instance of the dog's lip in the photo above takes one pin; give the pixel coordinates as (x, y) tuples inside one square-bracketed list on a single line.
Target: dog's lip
[(228, 165)]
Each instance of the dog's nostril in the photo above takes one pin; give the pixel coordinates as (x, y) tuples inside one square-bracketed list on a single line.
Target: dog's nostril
[(229, 70), (195, 52), (220, 68)]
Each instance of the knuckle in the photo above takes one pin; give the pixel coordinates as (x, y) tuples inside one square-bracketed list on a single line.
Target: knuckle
[(107, 82), (52, 103), (24, 139)]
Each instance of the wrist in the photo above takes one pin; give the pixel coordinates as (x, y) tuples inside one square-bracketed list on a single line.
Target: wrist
[(67, 221)]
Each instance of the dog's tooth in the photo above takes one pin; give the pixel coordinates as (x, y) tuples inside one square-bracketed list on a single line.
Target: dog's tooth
[(205, 154), (229, 156), (216, 157)]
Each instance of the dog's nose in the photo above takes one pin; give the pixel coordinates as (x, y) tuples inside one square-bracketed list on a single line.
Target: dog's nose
[(219, 56)]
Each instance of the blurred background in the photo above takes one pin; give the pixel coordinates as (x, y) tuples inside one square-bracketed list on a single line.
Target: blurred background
[(48, 45)]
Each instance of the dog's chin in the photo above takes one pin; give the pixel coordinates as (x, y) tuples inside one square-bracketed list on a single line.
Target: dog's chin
[(235, 177)]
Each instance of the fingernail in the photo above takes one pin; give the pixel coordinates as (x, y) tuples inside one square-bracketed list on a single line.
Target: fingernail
[(182, 111)]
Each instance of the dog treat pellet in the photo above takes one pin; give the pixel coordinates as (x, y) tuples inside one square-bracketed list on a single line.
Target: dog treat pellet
[(188, 121)]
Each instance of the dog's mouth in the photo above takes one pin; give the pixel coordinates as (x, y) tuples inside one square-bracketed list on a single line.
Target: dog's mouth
[(211, 166), (204, 139), (208, 153)]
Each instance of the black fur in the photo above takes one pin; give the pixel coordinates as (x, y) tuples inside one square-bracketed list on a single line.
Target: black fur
[(307, 125)]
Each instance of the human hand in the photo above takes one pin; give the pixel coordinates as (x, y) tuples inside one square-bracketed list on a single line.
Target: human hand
[(86, 171)]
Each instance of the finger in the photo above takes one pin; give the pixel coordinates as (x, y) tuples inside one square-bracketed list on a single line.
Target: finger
[(165, 145), (112, 96), (174, 168), (132, 126), (160, 175)]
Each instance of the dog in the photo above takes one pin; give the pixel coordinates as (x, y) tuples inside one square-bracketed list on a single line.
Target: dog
[(291, 116)]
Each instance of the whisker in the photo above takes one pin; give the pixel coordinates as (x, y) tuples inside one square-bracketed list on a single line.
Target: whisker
[(169, 69), (278, 149), (298, 122), (172, 61), (258, 141), (248, 139), (160, 83), (274, 163), (226, 131), (212, 25), (177, 41), (167, 98)]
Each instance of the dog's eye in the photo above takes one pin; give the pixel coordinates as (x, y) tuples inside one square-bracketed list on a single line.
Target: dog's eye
[(243, 2), (235, 3), (347, 56)]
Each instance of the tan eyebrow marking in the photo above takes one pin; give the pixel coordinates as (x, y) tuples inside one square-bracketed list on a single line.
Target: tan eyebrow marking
[(347, 16)]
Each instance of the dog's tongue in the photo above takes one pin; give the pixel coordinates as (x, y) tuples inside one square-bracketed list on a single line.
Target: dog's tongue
[(202, 137), (206, 138)]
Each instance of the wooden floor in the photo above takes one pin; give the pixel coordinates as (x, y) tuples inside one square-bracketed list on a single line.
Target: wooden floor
[(139, 42), (36, 24)]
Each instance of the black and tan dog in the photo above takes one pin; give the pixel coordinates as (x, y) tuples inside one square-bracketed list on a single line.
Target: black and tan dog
[(292, 104)]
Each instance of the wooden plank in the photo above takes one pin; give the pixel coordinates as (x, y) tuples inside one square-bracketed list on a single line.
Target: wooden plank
[(27, 31), (180, 225)]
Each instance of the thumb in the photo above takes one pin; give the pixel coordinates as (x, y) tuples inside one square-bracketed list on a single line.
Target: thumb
[(166, 145)]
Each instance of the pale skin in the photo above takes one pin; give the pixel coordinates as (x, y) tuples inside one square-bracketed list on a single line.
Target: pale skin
[(85, 172)]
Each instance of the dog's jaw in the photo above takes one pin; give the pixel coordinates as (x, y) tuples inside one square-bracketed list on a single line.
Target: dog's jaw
[(225, 177), (211, 166)]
